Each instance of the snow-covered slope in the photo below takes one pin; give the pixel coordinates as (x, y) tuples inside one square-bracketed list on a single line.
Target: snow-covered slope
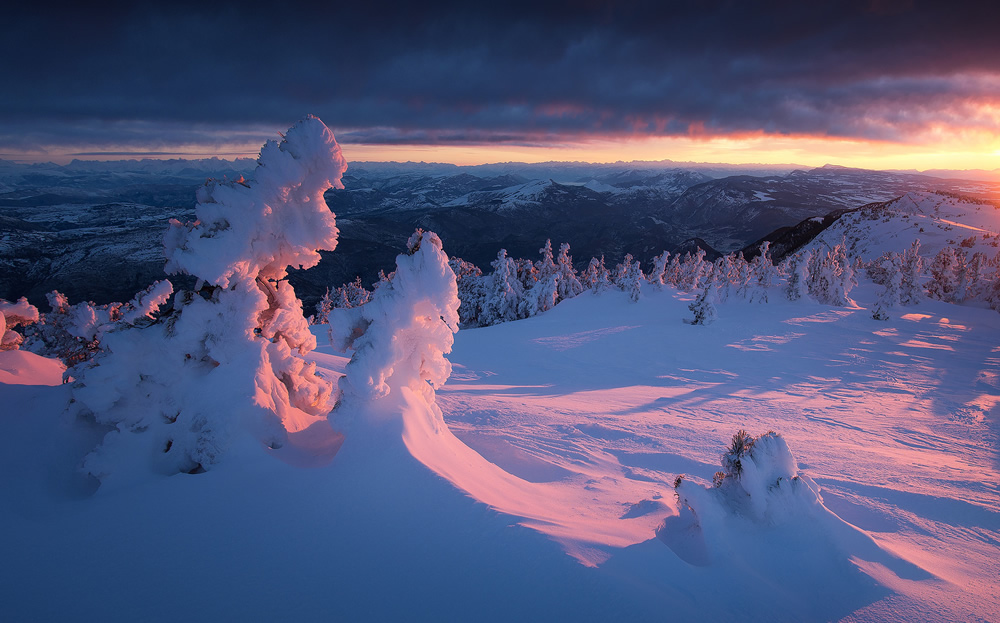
[(549, 493), (937, 220)]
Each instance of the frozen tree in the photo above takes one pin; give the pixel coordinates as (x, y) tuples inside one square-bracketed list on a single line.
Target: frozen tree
[(796, 287), (961, 271), (974, 275), (177, 395), (657, 275), (596, 277), (568, 282), (672, 274), (942, 282), (703, 307), (20, 313), (911, 268), (694, 270), (504, 292), (401, 336), (763, 274), (890, 296), (543, 294), (323, 307), (831, 277), (471, 290), (744, 281), (628, 277)]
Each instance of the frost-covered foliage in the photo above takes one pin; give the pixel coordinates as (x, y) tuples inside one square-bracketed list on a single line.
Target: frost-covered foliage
[(175, 396), (703, 307), (831, 277), (763, 274), (568, 284), (20, 313), (596, 277), (401, 336), (890, 296), (73, 333), (471, 290), (694, 270), (944, 275), (504, 292), (797, 268), (658, 274), (759, 480), (349, 295), (628, 277)]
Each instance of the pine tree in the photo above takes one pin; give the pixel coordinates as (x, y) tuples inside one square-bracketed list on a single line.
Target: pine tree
[(596, 277), (942, 282), (890, 296), (797, 285), (911, 267), (703, 307), (471, 291), (658, 273), (568, 282), (504, 292)]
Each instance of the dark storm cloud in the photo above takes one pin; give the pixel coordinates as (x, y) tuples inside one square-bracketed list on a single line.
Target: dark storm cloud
[(523, 72)]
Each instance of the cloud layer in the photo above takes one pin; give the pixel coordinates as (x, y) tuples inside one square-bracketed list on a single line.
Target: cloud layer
[(523, 73)]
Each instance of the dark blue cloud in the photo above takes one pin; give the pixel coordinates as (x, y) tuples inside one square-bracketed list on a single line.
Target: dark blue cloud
[(453, 72)]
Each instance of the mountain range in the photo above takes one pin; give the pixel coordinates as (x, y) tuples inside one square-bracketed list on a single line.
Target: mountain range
[(93, 229)]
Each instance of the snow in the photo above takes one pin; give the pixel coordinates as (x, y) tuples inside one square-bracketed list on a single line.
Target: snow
[(543, 488), (19, 367), (937, 220)]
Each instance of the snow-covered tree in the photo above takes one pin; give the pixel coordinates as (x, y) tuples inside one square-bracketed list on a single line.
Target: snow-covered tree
[(831, 277), (703, 307), (568, 282), (543, 293), (942, 283), (797, 267), (657, 275), (693, 272), (890, 296), (471, 290), (763, 274), (177, 395), (401, 336), (672, 274), (911, 268), (504, 292), (628, 277), (596, 277)]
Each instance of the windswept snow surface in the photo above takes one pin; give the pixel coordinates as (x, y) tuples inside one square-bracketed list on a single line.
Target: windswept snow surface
[(543, 488)]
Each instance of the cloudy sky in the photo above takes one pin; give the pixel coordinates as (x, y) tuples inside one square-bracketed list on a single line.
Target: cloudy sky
[(879, 83)]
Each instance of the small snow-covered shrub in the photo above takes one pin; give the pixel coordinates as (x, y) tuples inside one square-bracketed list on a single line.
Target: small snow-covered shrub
[(759, 480)]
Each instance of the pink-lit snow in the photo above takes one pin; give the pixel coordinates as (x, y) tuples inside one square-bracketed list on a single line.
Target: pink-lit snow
[(546, 492)]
